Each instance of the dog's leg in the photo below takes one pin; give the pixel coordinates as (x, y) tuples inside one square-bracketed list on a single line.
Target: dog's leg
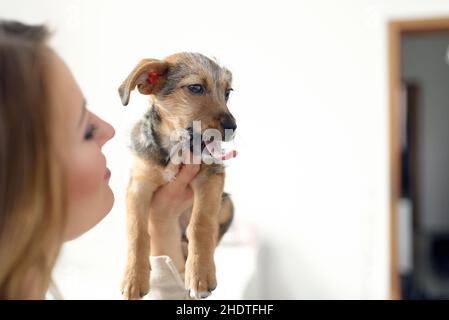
[(136, 282), (225, 218), (202, 233)]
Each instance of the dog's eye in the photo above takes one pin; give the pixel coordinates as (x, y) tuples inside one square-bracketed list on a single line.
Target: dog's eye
[(196, 89), (227, 93)]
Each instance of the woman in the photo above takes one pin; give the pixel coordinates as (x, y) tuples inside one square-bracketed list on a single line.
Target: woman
[(53, 175)]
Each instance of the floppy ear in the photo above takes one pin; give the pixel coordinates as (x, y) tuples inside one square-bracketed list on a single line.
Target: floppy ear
[(148, 76)]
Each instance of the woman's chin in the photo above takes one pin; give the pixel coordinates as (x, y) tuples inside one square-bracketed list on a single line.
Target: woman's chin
[(111, 199)]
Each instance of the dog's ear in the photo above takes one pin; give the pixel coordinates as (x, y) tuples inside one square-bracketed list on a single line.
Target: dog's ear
[(148, 76)]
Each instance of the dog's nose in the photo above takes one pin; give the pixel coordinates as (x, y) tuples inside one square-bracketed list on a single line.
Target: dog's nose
[(227, 121)]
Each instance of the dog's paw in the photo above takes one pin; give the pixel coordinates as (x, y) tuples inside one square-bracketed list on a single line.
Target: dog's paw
[(200, 278), (199, 295), (136, 283)]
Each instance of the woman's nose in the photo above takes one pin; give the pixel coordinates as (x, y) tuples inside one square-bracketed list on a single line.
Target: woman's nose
[(108, 132)]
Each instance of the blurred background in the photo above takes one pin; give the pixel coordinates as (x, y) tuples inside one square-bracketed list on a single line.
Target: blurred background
[(337, 195)]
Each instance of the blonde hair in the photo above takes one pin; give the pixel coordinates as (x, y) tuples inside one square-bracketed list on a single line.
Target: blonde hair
[(32, 196)]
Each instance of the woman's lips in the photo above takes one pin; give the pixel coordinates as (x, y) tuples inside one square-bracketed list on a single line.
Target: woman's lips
[(107, 175)]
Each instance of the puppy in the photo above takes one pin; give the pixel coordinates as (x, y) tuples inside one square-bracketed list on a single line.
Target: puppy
[(188, 91)]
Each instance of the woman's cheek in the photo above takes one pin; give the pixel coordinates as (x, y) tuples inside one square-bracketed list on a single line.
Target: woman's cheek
[(87, 193), (86, 177)]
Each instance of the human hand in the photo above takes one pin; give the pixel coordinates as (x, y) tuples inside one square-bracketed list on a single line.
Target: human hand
[(173, 198)]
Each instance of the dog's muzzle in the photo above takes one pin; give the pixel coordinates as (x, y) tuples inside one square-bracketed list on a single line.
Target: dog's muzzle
[(227, 122), (211, 148)]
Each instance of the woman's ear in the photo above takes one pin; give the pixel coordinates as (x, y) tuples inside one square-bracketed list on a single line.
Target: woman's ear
[(149, 76)]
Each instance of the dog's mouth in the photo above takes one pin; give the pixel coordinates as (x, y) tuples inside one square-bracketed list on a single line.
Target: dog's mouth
[(216, 150), (212, 148)]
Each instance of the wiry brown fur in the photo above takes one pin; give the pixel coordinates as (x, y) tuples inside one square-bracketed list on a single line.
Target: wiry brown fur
[(175, 107)]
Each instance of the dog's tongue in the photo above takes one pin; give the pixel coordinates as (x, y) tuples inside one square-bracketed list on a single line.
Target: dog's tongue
[(218, 153)]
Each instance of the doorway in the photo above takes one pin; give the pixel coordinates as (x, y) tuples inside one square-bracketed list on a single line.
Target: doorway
[(419, 158)]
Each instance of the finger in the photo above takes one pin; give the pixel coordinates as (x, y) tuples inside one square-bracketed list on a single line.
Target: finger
[(188, 193), (187, 173)]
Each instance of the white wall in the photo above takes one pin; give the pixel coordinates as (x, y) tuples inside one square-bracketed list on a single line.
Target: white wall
[(311, 103)]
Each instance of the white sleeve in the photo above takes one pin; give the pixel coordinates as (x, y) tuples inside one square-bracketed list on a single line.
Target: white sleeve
[(166, 283)]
